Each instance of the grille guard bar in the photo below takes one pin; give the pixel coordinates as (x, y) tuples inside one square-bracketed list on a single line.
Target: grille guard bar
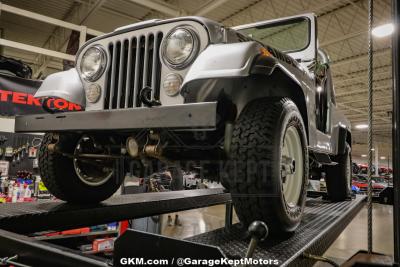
[(179, 117)]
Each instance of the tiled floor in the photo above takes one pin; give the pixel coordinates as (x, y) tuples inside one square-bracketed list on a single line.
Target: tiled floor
[(352, 239)]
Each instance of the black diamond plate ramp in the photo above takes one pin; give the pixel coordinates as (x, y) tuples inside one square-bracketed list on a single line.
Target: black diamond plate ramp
[(322, 223), (57, 215)]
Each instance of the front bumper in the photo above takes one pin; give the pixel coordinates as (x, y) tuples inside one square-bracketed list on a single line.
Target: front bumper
[(185, 116)]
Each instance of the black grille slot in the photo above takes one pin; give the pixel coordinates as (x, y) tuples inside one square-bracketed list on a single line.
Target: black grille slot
[(134, 64)]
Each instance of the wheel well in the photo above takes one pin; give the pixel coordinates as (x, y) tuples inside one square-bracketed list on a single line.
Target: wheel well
[(283, 86), (241, 91), (299, 99)]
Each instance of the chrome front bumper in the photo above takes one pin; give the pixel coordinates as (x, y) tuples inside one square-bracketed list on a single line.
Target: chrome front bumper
[(185, 117)]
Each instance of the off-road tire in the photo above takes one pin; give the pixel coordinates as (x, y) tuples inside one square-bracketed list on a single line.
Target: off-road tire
[(258, 138), (59, 176), (338, 177)]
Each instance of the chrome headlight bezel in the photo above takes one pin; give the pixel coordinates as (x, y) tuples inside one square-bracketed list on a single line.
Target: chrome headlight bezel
[(103, 63), (192, 55)]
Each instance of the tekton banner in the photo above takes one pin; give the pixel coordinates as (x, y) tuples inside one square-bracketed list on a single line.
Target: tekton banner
[(17, 97)]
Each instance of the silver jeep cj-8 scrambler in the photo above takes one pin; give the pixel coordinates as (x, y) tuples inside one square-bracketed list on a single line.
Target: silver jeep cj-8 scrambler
[(253, 105)]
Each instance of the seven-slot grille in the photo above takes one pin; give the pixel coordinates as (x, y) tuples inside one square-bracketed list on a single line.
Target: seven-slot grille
[(135, 64)]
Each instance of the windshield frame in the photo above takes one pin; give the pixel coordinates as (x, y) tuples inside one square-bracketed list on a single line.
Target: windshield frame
[(307, 55), (277, 24)]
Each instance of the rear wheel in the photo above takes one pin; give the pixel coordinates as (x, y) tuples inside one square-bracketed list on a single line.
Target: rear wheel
[(76, 180), (269, 152), (338, 177)]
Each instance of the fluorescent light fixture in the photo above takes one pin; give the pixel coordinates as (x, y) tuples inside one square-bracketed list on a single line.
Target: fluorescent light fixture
[(361, 126), (372, 149), (383, 30), (363, 156), (382, 157)]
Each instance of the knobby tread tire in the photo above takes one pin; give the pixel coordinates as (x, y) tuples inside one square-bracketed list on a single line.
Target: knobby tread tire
[(47, 169), (256, 139), (59, 176)]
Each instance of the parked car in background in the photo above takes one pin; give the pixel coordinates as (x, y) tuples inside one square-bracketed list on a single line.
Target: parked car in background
[(385, 170), (363, 169), (380, 180), (355, 168), (355, 189), (361, 181)]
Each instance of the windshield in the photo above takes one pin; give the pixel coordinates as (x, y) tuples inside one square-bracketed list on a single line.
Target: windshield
[(287, 36)]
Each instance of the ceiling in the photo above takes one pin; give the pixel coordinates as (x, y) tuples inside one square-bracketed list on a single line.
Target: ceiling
[(342, 32)]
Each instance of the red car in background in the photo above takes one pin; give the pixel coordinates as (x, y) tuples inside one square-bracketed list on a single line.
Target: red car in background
[(385, 170), (363, 169), (361, 182)]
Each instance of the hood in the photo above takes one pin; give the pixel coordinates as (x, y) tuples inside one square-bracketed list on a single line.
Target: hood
[(214, 29), (146, 23)]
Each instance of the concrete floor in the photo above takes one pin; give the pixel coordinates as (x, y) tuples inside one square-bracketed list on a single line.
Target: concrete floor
[(195, 222), (352, 239)]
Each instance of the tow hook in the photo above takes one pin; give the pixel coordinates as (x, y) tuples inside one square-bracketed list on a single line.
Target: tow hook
[(145, 97)]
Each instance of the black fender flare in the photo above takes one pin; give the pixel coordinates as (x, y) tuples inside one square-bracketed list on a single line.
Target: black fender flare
[(272, 67), (343, 138)]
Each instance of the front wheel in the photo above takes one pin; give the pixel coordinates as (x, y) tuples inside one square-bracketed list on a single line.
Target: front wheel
[(269, 151), (76, 180)]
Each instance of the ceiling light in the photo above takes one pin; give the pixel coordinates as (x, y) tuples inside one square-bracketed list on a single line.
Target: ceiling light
[(382, 157), (319, 89), (363, 156), (361, 126), (383, 30), (372, 149)]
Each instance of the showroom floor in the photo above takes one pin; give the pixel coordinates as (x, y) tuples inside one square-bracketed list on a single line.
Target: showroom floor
[(352, 239)]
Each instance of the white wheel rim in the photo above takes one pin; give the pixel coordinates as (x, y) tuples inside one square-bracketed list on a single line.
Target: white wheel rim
[(292, 151)]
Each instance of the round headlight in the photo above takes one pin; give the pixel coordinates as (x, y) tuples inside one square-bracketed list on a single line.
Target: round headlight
[(93, 63), (180, 47)]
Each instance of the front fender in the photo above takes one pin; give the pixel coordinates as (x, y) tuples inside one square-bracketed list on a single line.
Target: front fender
[(240, 60), (223, 61), (266, 72), (66, 85)]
